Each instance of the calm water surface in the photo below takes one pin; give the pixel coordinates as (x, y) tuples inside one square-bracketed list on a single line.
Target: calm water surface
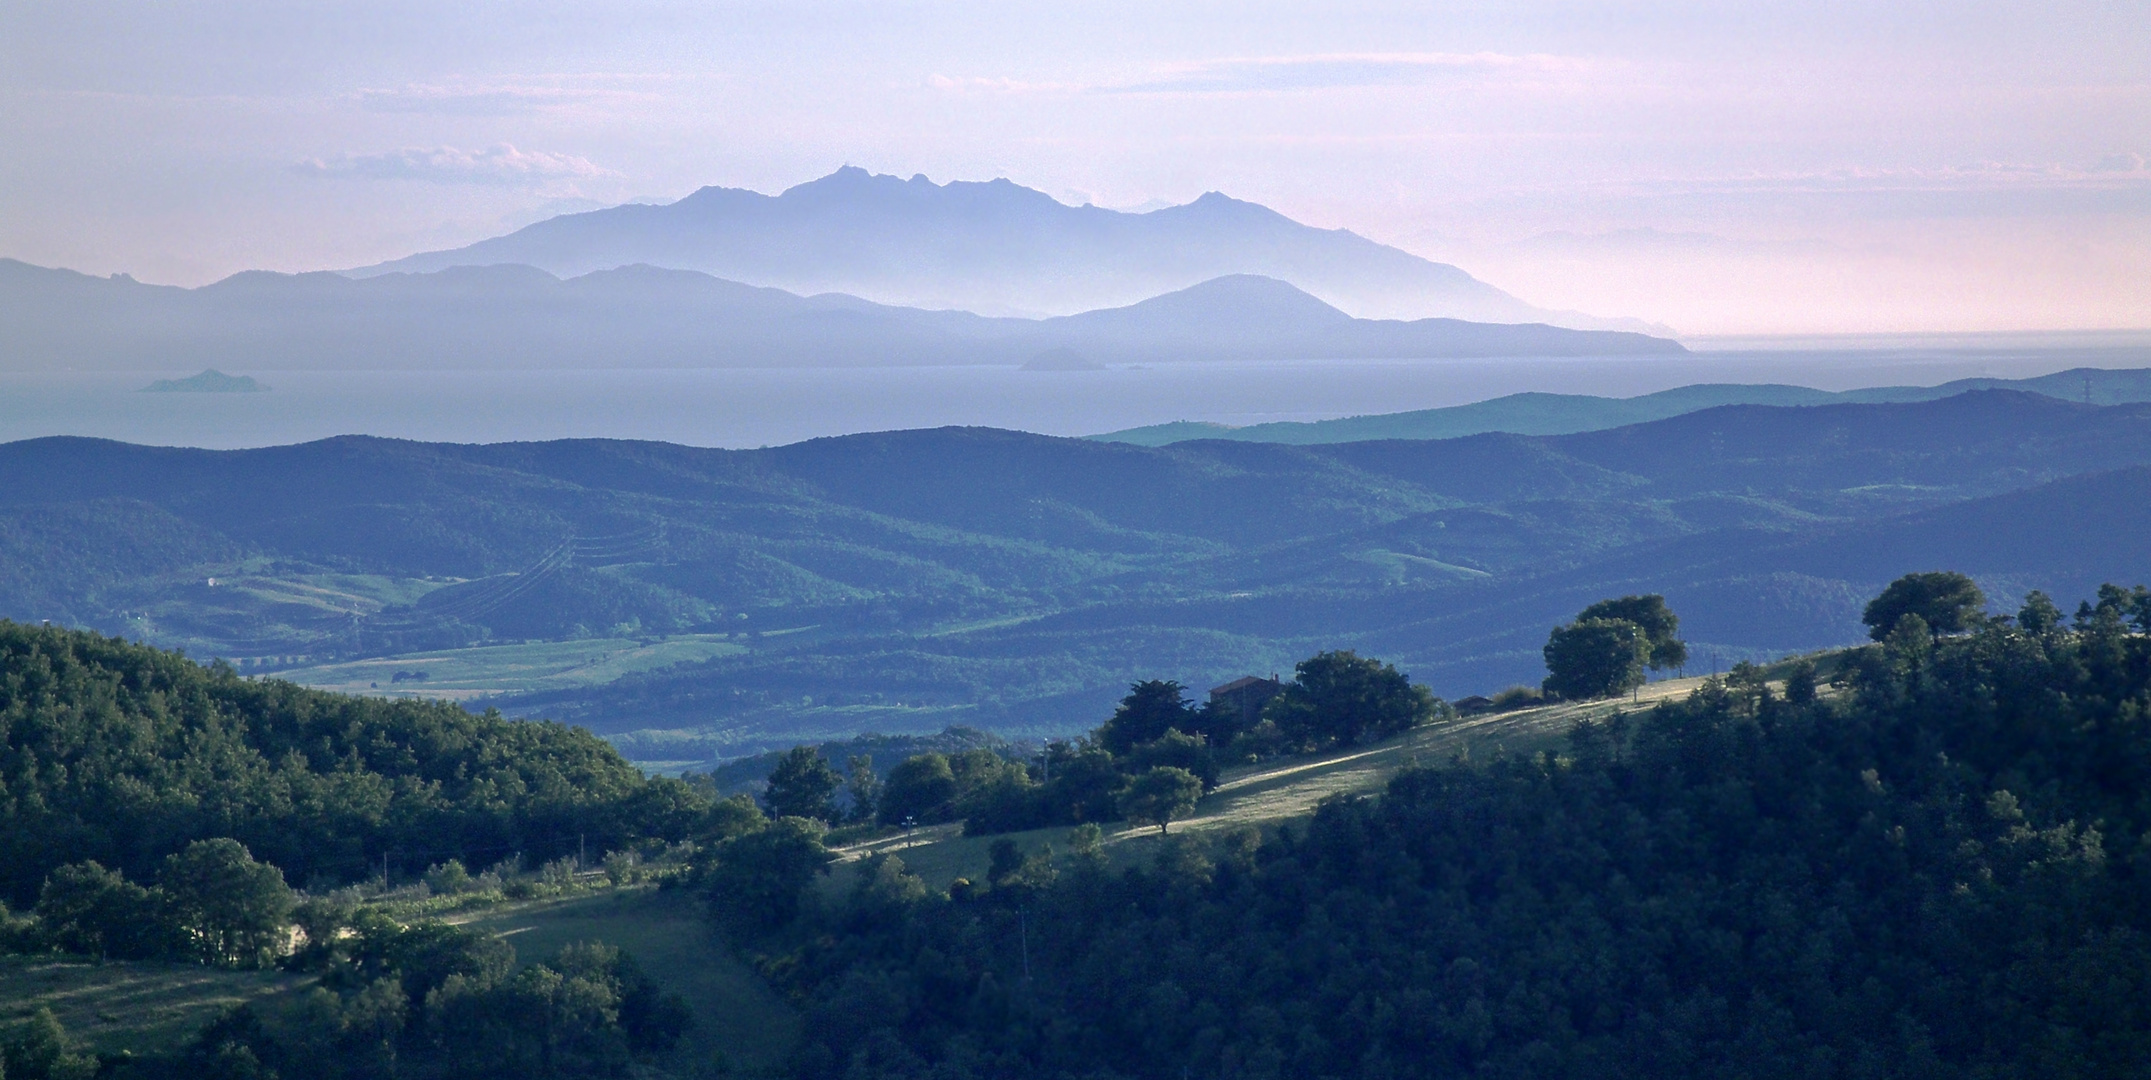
[(746, 408)]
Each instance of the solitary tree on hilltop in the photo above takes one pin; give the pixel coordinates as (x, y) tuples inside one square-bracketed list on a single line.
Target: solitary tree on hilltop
[(1947, 601), (1158, 796), (1593, 658), (1345, 698), (1661, 628)]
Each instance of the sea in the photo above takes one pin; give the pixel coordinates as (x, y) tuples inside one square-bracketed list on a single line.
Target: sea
[(753, 407)]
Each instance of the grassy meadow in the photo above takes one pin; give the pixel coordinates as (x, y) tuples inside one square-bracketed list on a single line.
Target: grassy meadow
[(739, 1023), (131, 1007)]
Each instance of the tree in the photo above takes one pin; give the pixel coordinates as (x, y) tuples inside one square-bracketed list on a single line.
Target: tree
[(1344, 698), (230, 909), (1151, 709), (320, 919), (97, 912), (450, 877), (1158, 796), (863, 786), (803, 785), (1801, 683), (1595, 658), (756, 880), (2039, 615), (1661, 628), (1082, 783), (39, 1049), (920, 788), (1947, 601), (1179, 749), (2131, 605)]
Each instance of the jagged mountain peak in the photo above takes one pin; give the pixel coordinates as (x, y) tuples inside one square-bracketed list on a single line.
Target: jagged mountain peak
[(993, 247)]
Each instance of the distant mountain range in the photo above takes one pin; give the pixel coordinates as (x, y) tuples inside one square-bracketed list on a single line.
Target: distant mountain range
[(904, 581), (1566, 414), (994, 247), (509, 317)]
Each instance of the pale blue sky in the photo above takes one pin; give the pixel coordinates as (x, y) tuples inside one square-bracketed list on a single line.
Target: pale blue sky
[(1718, 167)]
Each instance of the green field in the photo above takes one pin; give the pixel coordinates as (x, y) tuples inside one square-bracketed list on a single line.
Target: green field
[(125, 1006), (462, 674), (739, 1023)]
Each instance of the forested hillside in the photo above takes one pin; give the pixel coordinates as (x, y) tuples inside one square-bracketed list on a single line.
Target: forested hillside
[(124, 755), (1936, 869), (904, 582)]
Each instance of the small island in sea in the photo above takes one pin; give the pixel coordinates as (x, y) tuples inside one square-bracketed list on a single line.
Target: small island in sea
[(211, 381), (1062, 359)]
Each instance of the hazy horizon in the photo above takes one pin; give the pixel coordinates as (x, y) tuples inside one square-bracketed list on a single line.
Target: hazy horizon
[(1723, 171)]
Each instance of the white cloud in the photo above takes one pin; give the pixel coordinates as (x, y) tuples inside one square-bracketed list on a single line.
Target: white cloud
[(1288, 73), (519, 96), (502, 164)]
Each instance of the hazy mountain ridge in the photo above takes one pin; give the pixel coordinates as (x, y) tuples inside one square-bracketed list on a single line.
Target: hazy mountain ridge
[(1539, 413), (993, 246), (903, 581), (508, 317)]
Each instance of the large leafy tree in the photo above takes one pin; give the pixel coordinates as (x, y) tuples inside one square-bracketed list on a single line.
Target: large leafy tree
[(1341, 697), (920, 788), (1661, 628), (230, 908), (1150, 710), (89, 909), (1947, 601), (756, 880), (1593, 658), (803, 785), (1159, 795)]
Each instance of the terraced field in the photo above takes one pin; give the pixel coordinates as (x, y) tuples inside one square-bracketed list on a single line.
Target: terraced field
[(464, 674)]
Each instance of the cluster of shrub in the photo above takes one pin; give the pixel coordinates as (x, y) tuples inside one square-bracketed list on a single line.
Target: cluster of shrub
[(211, 903), (1147, 763), (1938, 869), (429, 999)]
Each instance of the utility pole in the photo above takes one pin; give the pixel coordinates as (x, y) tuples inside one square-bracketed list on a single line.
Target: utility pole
[(582, 850), (1023, 930)]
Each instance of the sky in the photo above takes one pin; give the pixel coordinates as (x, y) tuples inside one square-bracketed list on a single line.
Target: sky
[(1721, 168)]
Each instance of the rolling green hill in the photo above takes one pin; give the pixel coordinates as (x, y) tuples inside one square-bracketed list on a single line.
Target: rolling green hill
[(729, 602), (1564, 414)]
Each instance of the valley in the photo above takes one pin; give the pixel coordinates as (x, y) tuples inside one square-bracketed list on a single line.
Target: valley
[(698, 605)]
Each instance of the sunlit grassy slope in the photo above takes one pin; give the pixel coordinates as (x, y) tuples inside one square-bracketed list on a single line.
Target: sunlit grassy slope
[(122, 1006), (1268, 794), (739, 1023)]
